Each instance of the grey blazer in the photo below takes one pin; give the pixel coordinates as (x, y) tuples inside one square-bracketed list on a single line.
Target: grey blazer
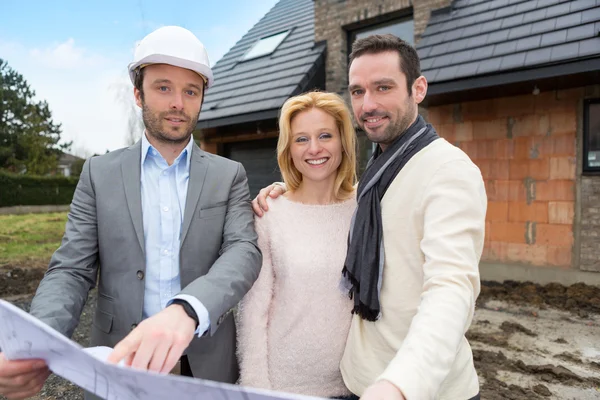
[(104, 244)]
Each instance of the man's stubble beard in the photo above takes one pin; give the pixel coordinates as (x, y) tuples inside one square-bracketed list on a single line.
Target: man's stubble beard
[(395, 130), (153, 124)]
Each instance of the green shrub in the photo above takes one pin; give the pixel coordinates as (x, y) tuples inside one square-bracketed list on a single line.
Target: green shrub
[(31, 190)]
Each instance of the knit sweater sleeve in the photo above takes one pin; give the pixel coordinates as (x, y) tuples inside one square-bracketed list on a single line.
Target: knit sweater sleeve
[(254, 319), (454, 207)]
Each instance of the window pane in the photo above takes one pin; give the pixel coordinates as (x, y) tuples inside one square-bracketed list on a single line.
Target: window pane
[(265, 46), (404, 30), (593, 135)]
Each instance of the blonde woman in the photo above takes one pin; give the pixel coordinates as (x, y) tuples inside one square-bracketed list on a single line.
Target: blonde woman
[(294, 321)]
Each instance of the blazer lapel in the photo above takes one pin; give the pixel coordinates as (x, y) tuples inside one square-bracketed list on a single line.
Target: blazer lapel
[(131, 170), (198, 168)]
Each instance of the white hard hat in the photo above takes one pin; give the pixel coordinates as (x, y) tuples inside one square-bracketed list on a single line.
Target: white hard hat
[(175, 46)]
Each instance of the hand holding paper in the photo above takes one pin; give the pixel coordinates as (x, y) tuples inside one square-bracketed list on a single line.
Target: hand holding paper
[(21, 378)]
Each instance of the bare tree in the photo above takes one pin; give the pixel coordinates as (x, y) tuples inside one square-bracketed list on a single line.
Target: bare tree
[(135, 124)]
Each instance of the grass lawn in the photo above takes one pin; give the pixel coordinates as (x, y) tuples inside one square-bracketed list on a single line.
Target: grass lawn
[(29, 240)]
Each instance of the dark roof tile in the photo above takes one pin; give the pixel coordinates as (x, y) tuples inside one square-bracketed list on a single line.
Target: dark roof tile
[(558, 10), (528, 43), (580, 32), (582, 4), (505, 47), (534, 15), (526, 6), (589, 47), (538, 56), (568, 20), (492, 36), (519, 31), (565, 51), (554, 37), (498, 36), (468, 69), (591, 15), (490, 65), (546, 25), (264, 83), (512, 61)]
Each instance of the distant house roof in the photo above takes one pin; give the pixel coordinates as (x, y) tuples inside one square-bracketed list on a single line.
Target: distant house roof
[(474, 39), (67, 159), (257, 88)]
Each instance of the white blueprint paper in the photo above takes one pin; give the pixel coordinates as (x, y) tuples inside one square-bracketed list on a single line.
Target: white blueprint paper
[(23, 337)]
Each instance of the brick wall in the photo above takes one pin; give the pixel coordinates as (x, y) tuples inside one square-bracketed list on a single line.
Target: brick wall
[(525, 147), (590, 223), (332, 15)]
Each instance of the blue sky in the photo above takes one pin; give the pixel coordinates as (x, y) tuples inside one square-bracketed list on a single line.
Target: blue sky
[(74, 54)]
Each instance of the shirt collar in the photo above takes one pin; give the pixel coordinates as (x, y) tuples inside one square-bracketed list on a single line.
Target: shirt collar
[(147, 147)]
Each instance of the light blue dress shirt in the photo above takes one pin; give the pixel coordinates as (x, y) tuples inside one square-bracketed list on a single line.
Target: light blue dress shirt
[(164, 191)]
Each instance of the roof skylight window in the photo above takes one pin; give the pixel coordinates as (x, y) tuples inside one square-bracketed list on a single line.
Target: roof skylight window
[(265, 46)]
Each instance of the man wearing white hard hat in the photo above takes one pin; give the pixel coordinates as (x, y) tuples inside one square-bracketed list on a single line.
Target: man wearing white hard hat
[(163, 228)]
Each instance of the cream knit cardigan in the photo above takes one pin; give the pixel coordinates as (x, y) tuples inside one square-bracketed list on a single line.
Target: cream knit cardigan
[(433, 218)]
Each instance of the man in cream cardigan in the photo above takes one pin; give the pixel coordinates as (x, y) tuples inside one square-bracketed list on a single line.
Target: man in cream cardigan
[(415, 241)]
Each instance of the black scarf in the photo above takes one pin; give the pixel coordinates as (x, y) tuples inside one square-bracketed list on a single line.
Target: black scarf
[(363, 269)]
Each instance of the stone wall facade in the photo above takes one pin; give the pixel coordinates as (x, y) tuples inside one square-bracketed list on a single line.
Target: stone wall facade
[(332, 17)]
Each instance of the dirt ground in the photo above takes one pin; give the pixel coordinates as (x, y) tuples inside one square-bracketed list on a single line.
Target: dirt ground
[(537, 342), (529, 341)]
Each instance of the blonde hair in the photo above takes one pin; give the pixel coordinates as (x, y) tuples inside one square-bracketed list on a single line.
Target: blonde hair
[(335, 106)]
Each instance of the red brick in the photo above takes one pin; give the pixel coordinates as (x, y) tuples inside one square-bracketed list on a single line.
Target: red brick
[(551, 102), (555, 190), (517, 191), (487, 238), (498, 169), (561, 212), (559, 256), (504, 149), (478, 110), (497, 211), (514, 106), (433, 116), (526, 253), (544, 125), (507, 232), (523, 212), (497, 190), (554, 235), (497, 251), (464, 131), (471, 149), (485, 149), (523, 148), (536, 169), (562, 168), (490, 129), (557, 146), (563, 123), (443, 114), (446, 131), (527, 125)]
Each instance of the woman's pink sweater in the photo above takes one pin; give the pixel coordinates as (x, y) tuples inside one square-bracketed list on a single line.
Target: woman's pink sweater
[(294, 321)]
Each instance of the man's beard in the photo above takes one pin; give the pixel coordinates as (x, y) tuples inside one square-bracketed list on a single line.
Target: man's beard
[(153, 123), (393, 130)]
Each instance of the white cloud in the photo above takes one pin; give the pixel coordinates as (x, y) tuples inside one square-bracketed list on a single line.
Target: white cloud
[(78, 85), (66, 56)]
